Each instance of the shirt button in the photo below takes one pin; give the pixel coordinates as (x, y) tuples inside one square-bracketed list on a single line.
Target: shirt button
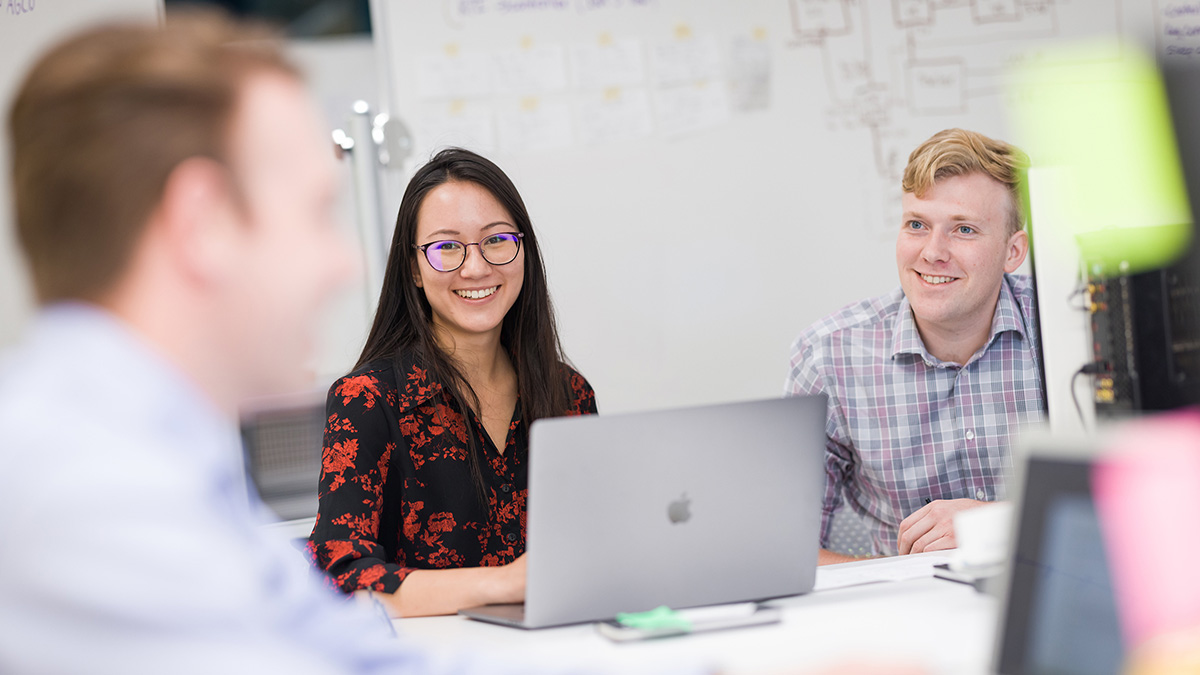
[(511, 538), (506, 488), (979, 494), (970, 435)]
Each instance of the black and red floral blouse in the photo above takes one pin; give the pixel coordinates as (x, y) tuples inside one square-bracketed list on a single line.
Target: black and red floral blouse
[(396, 491)]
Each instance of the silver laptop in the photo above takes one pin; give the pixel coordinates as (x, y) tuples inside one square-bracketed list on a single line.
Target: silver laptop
[(680, 508)]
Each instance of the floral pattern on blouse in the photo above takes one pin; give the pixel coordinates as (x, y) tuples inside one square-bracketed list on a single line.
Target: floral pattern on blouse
[(396, 492)]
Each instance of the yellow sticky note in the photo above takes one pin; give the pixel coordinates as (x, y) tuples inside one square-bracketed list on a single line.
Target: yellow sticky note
[(605, 40), (451, 49), (683, 31), (612, 94), (526, 42), (529, 103), (457, 106), (760, 34)]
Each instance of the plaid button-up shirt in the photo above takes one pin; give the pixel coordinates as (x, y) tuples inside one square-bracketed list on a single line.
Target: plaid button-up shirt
[(905, 427)]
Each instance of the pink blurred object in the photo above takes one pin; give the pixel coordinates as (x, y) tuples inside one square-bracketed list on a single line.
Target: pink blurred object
[(1148, 497)]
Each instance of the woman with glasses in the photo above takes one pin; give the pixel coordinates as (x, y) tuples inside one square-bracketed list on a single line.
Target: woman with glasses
[(423, 484)]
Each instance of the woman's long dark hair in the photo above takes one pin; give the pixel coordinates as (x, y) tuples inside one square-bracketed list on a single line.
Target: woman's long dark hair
[(404, 320)]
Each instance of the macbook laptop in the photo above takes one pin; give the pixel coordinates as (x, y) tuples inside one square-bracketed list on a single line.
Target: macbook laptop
[(681, 508)]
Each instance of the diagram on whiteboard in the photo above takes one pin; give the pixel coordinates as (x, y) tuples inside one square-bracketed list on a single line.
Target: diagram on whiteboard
[(529, 78), (900, 75)]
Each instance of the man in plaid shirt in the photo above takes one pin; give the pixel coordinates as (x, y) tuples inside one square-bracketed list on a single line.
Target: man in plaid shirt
[(928, 384)]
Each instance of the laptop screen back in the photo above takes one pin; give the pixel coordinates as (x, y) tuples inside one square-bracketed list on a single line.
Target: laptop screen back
[(1061, 616)]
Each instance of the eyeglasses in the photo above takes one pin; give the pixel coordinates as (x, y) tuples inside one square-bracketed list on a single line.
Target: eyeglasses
[(448, 255)]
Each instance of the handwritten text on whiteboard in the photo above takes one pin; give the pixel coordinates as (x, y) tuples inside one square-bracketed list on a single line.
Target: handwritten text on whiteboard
[(19, 7)]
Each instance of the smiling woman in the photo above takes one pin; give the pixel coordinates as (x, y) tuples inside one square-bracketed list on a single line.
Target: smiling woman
[(423, 486)]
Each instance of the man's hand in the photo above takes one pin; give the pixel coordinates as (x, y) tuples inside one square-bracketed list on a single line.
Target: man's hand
[(931, 528)]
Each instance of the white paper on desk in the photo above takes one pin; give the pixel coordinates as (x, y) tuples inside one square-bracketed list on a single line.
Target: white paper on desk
[(531, 127), (452, 73), (898, 568), (686, 61), (691, 107), (531, 70), (615, 115), (617, 63)]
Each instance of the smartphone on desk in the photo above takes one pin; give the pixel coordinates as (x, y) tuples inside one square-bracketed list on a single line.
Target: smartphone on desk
[(696, 620)]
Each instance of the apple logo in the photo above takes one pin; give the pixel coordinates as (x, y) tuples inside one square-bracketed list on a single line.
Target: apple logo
[(679, 511)]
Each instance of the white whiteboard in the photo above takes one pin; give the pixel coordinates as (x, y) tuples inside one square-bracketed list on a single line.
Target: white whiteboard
[(27, 28), (693, 220)]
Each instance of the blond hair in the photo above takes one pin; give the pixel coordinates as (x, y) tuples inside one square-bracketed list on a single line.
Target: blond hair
[(99, 124), (958, 152)]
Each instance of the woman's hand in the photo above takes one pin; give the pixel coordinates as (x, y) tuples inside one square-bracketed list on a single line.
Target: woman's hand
[(431, 592), (509, 583)]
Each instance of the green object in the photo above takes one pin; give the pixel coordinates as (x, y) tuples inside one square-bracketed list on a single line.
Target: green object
[(661, 618), (1100, 111)]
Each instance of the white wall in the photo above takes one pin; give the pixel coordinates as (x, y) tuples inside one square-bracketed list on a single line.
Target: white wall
[(341, 71), (27, 27)]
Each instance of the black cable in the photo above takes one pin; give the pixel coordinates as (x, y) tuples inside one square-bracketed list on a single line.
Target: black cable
[(1075, 397), (1079, 291), (1093, 368)]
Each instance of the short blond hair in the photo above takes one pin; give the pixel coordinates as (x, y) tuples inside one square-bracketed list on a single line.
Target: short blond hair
[(958, 152), (103, 119)]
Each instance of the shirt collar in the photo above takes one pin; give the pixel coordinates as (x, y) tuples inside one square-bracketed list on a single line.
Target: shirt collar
[(907, 340), (413, 384)]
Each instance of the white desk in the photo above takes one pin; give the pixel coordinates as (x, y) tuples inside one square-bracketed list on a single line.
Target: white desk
[(293, 529), (941, 625)]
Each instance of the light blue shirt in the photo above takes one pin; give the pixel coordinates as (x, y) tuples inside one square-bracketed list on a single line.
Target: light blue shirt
[(127, 543)]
